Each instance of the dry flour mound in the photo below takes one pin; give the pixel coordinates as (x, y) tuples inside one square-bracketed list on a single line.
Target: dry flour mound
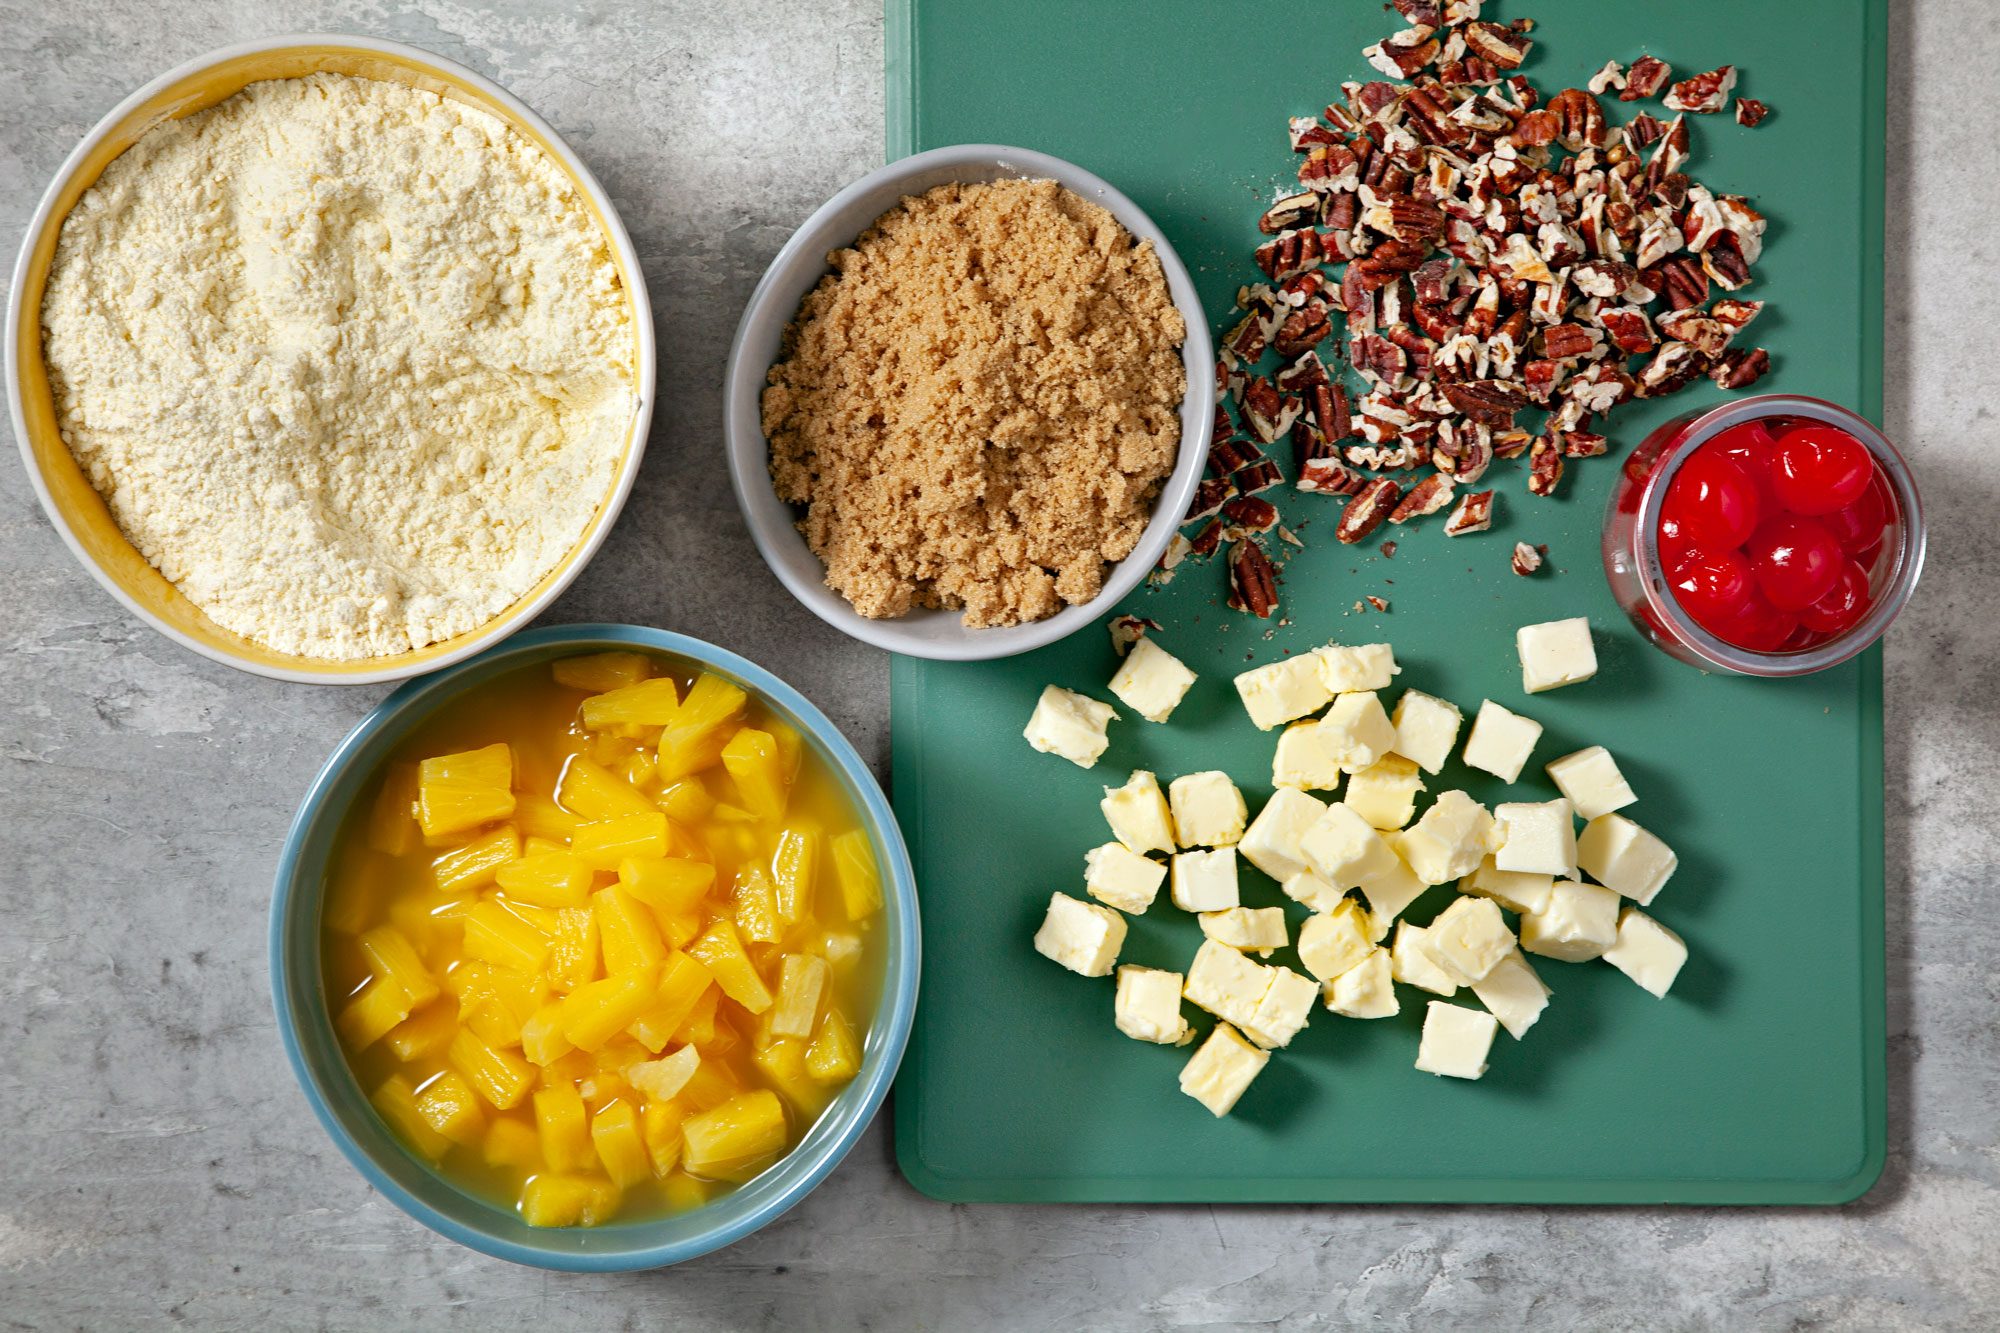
[(351, 363)]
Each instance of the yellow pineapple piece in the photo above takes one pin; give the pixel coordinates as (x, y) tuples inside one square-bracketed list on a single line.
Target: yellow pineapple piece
[(575, 953), (757, 906), (620, 1146), (694, 738), (540, 818), (854, 868), (551, 1200), (392, 819), (617, 1055), (791, 748), (593, 1013), (720, 950), (563, 1128), (448, 1105), (833, 1057), (660, 1123), (353, 897), (639, 769), (501, 1077), (546, 879), (801, 982), (727, 1036), (783, 1065), (395, 963), (598, 672), (687, 801), (650, 703), (573, 1067), (841, 949), (711, 1084), (683, 1193), (670, 885), (542, 1038), (683, 982), (698, 1028), (371, 1015), (609, 750), (434, 926), (751, 759), (735, 1140), (488, 766), (604, 843), (424, 1033), (473, 865), (795, 868), (447, 808), (495, 935), (604, 1088), (627, 930), (660, 1080), (396, 1102), (591, 791), (511, 1142)]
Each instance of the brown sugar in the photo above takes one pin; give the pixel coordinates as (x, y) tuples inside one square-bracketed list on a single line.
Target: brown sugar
[(978, 405)]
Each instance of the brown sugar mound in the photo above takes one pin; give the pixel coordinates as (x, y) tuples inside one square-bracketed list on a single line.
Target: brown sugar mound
[(978, 405)]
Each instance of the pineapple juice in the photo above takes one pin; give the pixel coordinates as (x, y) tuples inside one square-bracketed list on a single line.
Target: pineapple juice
[(600, 940)]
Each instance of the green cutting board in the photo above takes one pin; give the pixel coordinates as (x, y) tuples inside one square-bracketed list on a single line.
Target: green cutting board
[(1760, 1078)]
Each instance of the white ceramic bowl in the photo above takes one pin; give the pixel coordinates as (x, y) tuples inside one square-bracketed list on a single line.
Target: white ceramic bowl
[(75, 508), (801, 264)]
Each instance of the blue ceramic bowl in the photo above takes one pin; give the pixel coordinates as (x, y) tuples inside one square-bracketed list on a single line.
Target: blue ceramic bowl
[(306, 1027)]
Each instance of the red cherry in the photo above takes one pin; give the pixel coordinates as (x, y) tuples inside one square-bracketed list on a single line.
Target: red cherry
[(1819, 468), (1751, 446), (1844, 605), (1860, 524), (1714, 588), (1795, 561), (1714, 501), (1675, 545), (1760, 627)]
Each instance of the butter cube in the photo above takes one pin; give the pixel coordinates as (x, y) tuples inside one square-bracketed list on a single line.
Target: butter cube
[(1071, 725), (1205, 881), (1152, 682), (1501, 741), (1557, 652), (1469, 937), (1356, 732), (1349, 670), (1303, 761), (1272, 841), (1208, 810), (1221, 1069), (1116, 875), (1138, 814), (1456, 1040), (1450, 841), (1308, 888), (1515, 890), (1344, 851), (1426, 729), (1390, 892), (1366, 990), (1255, 930), (1149, 1005), (1083, 937), (1592, 782), (1331, 943), (1536, 837), (1513, 993), (1284, 1009), (1579, 922), (1376, 928), (1385, 792), (1411, 963), (1625, 858), (1647, 951), (1227, 984), (1282, 691)]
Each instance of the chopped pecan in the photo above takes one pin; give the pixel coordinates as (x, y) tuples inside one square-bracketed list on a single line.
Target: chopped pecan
[(1646, 77), (1208, 541), (1570, 342), (1724, 261), (1526, 559), (1329, 476), (1330, 169), (1330, 411), (1253, 579), (1379, 603), (1421, 13), (1734, 313), (1403, 54), (1488, 402), (1739, 368), (1503, 48), (1675, 365), (1178, 549), (1426, 497), (1304, 329), (1584, 444), (1308, 133), (1268, 413), (1209, 497), (1304, 373), (1581, 118), (1291, 253), (1704, 94), (1750, 112), (1289, 211), (1630, 331), (1251, 513), (1474, 514), (1225, 456), (1128, 630), (1686, 281), (1367, 510), (1545, 466), (1260, 475), (1611, 76)]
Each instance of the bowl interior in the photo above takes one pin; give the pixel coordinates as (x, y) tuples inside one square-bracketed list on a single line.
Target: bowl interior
[(81, 515), (342, 1106), (802, 263)]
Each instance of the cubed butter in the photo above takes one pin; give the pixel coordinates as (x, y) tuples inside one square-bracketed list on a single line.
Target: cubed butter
[(1071, 725), (1411, 963), (1256, 930), (1272, 841), (1221, 1069), (1536, 837), (1390, 892), (1330, 943), (1083, 937), (1512, 889), (1152, 682), (1225, 983), (1349, 670), (1450, 841), (1647, 951), (1469, 938), (1456, 1040), (1208, 810), (1344, 850), (1308, 888), (1303, 760), (1557, 652), (1116, 875), (1592, 782), (1579, 922), (1501, 741), (1356, 731), (1385, 792), (1366, 990), (1138, 814), (1426, 729), (1205, 881), (1283, 691), (1625, 858), (1281, 1013), (1149, 1005), (1513, 994)]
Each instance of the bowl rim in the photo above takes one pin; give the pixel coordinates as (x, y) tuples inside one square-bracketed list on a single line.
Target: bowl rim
[(901, 974), (748, 450), (632, 273)]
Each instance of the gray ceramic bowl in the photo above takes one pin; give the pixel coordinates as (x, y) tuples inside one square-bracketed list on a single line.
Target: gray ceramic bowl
[(801, 264)]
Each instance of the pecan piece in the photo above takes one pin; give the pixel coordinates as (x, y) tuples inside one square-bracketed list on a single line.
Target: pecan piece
[(1253, 579), (1739, 369), (1400, 56), (1629, 330), (1304, 330), (1474, 514), (1706, 334), (1750, 112), (1426, 497), (1225, 456), (1581, 118), (1260, 475), (1734, 313), (1128, 630), (1488, 402), (1252, 513), (1268, 413), (1545, 466), (1526, 559), (1329, 476), (1611, 76), (1308, 133), (1584, 444), (1705, 93), (1288, 212), (1208, 541), (1675, 365), (1290, 253), (1209, 497), (1501, 47), (1646, 77), (1330, 169), (1367, 510)]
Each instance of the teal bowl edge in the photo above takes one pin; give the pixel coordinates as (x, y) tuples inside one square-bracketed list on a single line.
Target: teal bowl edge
[(306, 1030)]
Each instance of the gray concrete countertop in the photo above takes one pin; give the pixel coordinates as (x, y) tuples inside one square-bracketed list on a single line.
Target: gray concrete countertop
[(159, 1163)]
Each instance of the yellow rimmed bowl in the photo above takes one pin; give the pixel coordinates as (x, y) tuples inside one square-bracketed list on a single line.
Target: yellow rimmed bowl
[(74, 506)]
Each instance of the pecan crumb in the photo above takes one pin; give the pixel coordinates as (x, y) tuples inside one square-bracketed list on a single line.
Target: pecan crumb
[(1527, 559), (1750, 111)]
